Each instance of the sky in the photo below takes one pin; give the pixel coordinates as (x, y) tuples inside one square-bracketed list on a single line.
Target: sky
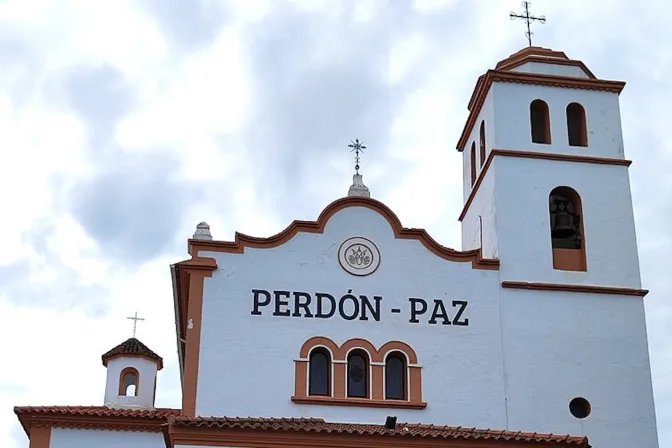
[(123, 124)]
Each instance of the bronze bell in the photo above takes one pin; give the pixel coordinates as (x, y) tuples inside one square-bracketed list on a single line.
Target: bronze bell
[(563, 225)]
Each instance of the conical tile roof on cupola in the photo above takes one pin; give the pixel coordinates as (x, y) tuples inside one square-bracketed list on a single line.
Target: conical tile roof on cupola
[(134, 348)]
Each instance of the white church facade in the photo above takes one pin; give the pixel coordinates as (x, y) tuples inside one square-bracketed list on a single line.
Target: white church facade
[(352, 330)]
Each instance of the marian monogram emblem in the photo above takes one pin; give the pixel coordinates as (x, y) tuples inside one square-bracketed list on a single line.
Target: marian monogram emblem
[(359, 256)]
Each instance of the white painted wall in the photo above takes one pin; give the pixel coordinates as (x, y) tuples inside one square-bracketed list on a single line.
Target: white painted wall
[(551, 69), (147, 371), (87, 438), (523, 222), (516, 366), (559, 346), (247, 362), (487, 114), (483, 206), (512, 119)]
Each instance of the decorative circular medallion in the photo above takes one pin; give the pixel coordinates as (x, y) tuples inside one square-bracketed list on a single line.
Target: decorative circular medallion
[(359, 256)]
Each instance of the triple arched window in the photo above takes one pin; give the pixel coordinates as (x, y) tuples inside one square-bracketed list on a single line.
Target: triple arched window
[(358, 373), (540, 123)]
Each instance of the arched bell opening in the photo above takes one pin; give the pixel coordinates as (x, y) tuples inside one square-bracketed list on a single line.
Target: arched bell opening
[(567, 235)]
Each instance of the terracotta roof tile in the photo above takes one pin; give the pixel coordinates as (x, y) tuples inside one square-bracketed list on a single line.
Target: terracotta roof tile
[(173, 417), (132, 347), (403, 429), (96, 411)]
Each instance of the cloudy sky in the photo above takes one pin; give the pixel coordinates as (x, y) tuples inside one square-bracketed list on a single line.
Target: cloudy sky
[(125, 123)]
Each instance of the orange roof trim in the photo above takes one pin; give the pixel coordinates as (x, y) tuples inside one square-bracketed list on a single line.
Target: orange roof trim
[(406, 430), (173, 425), (242, 241)]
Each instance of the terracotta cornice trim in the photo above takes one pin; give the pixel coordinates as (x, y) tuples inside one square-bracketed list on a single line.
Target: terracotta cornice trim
[(93, 422), (544, 60), (526, 52), (535, 155), (40, 437), (359, 402), (242, 241), (575, 288), (485, 82), (199, 263)]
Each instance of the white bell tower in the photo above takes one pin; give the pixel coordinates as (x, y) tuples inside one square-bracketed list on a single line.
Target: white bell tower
[(131, 375), (546, 184)]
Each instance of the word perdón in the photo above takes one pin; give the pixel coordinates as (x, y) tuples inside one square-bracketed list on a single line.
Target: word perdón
[(351, 307)]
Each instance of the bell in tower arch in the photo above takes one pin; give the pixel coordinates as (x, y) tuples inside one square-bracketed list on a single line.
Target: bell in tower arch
[(564, 220)]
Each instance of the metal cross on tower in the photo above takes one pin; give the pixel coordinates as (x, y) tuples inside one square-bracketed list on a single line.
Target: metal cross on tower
[(358, 147), (135, 320), (528, 19)]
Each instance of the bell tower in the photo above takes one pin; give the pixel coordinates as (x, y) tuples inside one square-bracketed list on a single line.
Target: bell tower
[(546, 184), (131, 375)]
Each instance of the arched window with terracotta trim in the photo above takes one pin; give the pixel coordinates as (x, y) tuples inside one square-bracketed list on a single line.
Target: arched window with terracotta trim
[(319, 372), (473, 163), (128, 382), (358, 374), (567, 233), (540, 122), (482, 143), (576, 125), (395, 376)]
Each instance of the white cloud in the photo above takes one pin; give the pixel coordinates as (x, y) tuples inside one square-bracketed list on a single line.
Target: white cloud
[(195, 105)]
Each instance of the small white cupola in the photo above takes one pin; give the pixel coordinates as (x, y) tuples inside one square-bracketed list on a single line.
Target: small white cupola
[(131, 375)]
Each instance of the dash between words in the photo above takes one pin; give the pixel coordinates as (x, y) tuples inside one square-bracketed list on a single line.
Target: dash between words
[(354, 307)]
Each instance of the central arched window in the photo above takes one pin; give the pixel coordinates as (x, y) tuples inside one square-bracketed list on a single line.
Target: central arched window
[(128, 382), (358, 374), (319, 381), (395, 377)]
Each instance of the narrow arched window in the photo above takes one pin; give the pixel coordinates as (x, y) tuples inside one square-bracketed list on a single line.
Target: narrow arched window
[(482, 142), (128, 382), (576, 125), (395, 377), (567, 239), (319, 379), (473, 163), (540, 122), (358, 374)]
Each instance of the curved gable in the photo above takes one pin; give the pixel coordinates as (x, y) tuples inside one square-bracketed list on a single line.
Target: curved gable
[(242, 241)]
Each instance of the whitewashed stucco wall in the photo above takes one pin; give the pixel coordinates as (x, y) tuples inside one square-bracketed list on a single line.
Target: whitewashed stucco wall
[(551, 69), (464, 362), (522, 358), (486, 114), (511, 104), (482, 211), (87, 438), (147, 371), (523, 222), (559, 346)]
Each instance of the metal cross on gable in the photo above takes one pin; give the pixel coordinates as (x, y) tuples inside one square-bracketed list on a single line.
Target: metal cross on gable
[(135, 320), (358, 147), (528, 19)]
